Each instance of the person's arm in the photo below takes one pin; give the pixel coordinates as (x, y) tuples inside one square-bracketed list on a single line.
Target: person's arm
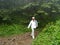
[(29, 24)]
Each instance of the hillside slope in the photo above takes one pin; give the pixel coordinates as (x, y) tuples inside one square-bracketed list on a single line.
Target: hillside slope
[(50, 34)]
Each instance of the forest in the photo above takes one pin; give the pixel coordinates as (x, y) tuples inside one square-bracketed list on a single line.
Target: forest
[(15, 16)]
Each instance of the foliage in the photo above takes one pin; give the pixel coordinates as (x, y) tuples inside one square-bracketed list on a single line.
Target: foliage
[(50, 35), (14, 29), (15, 15), (12, 12)]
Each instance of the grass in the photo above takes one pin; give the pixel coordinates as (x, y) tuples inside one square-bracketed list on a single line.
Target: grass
[(14, 29), (50, 35)]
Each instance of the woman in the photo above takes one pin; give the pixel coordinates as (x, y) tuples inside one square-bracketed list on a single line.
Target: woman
[(34, 24)]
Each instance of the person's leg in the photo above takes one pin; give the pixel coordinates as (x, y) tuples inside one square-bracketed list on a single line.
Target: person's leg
[(32, 34)]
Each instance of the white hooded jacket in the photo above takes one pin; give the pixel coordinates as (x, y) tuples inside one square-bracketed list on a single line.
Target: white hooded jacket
[(33, 24)]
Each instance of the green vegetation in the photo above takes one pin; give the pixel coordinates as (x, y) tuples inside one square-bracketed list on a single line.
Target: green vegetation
[(16, 14), (50, 35), (14, 29)]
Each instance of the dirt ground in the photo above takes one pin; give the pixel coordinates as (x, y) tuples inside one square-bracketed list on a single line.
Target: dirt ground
[(22, 39)]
